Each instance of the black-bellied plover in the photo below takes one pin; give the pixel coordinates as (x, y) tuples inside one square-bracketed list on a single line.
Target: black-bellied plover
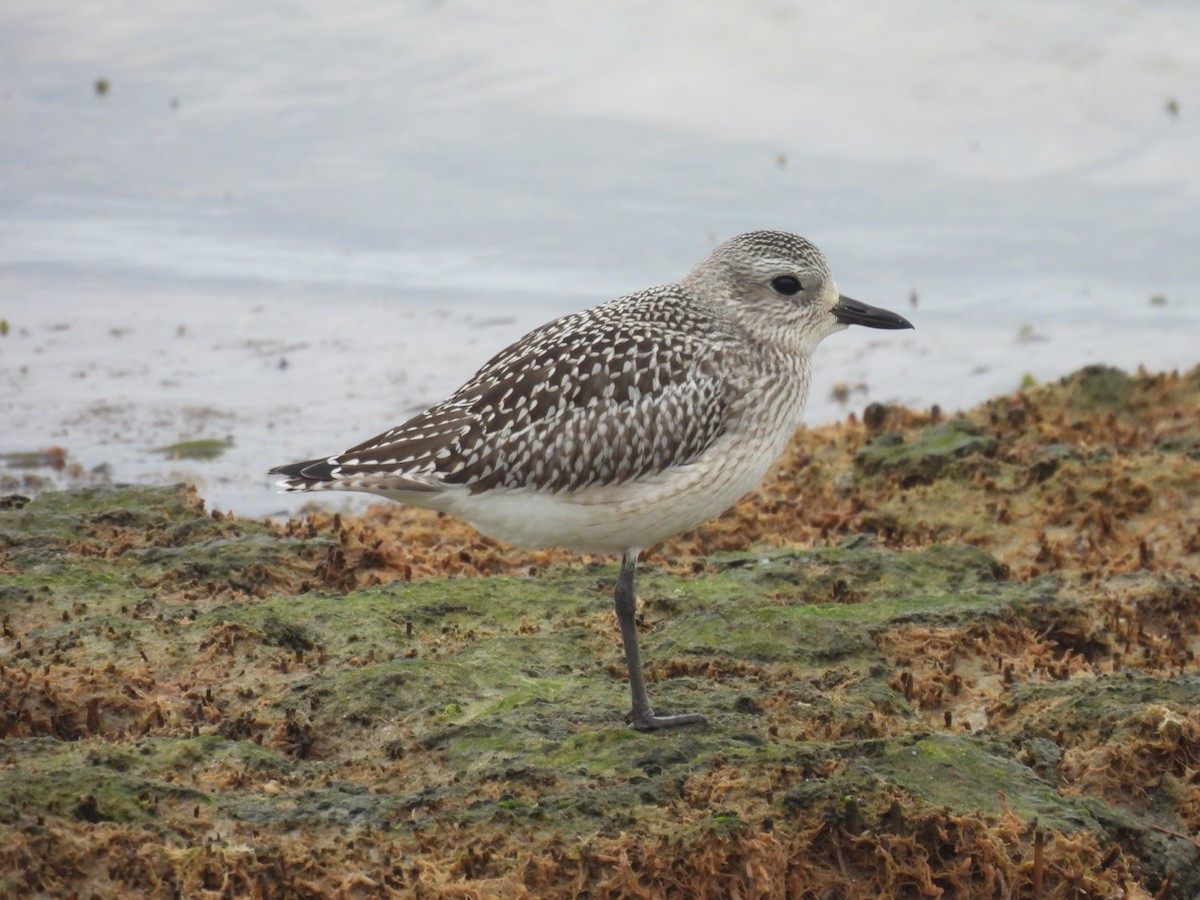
[(611, 429)]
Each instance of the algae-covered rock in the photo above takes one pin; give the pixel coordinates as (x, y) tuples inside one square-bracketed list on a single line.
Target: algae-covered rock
[(1100, 389), (959, 662), (925, 459)]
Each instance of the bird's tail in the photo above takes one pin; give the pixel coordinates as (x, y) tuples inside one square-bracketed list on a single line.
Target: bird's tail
[(310, 475)]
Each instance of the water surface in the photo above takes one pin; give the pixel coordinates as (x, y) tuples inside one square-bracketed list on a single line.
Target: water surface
[(293, 225)]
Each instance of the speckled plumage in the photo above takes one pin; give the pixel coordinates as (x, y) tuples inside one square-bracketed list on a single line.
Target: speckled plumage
[(611, 429), (623, 390)]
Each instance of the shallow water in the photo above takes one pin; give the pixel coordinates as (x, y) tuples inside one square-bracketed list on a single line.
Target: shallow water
[(294, 226)]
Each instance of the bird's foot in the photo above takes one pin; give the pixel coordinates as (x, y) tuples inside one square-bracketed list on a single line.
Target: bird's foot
[(646, 720)]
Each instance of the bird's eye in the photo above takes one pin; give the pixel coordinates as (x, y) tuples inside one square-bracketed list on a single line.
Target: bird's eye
[(786, 285)]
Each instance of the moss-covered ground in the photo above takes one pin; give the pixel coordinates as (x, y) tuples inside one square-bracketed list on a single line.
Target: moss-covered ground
[(939, 656)]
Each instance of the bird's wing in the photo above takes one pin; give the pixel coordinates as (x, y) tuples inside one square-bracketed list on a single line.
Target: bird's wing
[(586, 399)]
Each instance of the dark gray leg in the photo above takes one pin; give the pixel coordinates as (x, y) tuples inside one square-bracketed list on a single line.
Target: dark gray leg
[(642, 717)]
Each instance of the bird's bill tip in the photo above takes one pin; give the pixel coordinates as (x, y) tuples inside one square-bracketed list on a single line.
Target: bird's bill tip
[(854, 312)]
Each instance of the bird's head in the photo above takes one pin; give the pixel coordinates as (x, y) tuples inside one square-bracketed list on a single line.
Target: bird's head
[(779, 288)]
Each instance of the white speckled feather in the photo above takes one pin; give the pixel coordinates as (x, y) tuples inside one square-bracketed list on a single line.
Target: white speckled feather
[(613, 428)]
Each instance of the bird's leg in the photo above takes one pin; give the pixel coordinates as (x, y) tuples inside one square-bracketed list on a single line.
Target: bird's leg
[(642, 717)]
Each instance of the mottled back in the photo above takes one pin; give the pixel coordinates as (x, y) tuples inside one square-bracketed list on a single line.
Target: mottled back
[(586, 399)]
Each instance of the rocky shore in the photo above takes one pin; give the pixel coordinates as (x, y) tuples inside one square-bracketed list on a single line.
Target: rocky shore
[(940, 655)]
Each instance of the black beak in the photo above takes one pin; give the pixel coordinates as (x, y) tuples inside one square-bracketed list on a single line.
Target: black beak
[(852, 312)]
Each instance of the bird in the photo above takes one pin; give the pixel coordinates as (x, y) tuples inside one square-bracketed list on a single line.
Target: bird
[(611, 429)]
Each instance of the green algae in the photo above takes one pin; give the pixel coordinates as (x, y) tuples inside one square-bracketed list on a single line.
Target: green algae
[(33, 459), (1107, 705), (930, 455), (201, 448), (828, 605), (1101, 389), (953, 772), (973, 772), (46, 777), (77, 514)]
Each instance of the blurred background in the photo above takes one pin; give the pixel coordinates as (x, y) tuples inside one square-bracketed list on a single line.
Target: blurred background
[(276, 229)]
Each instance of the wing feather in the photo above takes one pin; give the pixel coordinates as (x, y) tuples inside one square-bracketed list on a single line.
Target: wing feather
[(586, 399)]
